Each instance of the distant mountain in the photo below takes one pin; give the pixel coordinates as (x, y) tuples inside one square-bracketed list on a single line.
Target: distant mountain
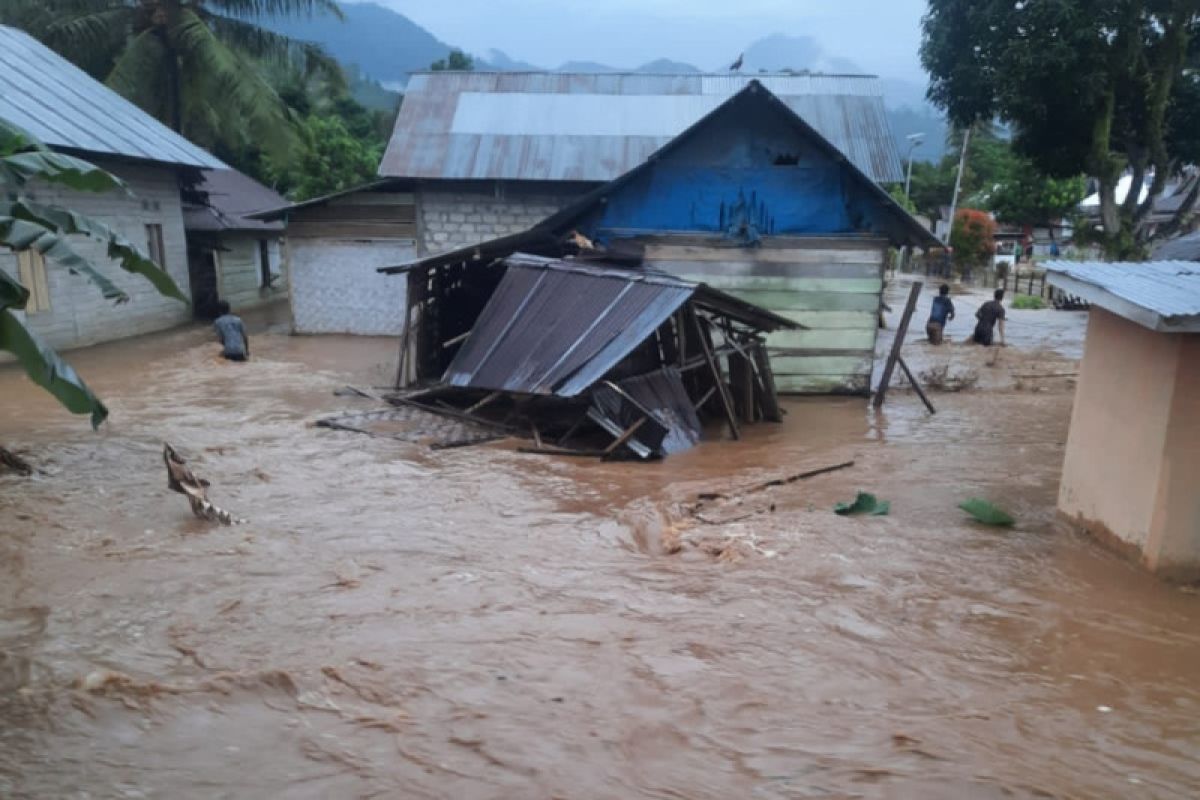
[(387, 46)]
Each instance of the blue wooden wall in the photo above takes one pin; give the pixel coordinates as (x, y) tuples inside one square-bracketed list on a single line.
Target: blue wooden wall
[(745, 175)]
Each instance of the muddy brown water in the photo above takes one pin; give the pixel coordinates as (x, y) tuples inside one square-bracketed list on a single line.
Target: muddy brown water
[(477, 623)]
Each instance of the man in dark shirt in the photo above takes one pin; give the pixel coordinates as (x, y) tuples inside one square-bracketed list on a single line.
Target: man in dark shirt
[(988, 315), (943, 310), (232, 334)]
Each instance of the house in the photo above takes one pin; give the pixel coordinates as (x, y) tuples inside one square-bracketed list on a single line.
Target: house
[(1132, 467), (232, 256), (63, 107), (335, 245), (750, 200), (489, 154)]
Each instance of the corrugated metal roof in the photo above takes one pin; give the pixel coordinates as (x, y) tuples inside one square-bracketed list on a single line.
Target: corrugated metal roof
[(60, 104), (553, 327), (589, 127), (1161, 295), (1183, 248)]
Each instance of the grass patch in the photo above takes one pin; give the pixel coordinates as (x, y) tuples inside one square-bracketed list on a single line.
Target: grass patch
[(1028, 301)]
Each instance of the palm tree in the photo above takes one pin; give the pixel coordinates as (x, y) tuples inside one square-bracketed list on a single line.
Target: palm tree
[(196, 65)]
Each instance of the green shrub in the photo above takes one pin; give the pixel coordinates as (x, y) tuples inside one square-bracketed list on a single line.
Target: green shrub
[(1028, 301)]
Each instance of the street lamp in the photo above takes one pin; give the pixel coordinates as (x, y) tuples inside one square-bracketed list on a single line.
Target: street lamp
[(914, 141)]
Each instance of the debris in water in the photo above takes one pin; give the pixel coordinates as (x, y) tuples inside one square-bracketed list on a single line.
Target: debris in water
[(987, 513), (14, 462), (864, 503), (180, 479)]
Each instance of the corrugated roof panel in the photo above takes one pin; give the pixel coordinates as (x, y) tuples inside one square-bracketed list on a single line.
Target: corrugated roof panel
[(1164, 292), (557, 328), (592, 109), (61, 105)]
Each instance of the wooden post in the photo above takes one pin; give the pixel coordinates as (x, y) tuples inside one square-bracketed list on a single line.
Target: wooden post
[(741, 379), (403, 368), (916, 386), (890, 365), (713, 367), (770, 398)]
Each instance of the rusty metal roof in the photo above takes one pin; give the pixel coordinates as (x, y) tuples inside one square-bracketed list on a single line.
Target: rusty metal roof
[(1161, 295), (62, 106), (594, 127)]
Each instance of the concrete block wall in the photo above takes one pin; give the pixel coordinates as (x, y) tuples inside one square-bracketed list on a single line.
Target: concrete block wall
[(78, 314), (336, 288), (453, 215)]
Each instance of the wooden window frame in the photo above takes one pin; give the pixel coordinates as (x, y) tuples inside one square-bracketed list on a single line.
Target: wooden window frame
[(31, 273), (154, 244), (264, 263)]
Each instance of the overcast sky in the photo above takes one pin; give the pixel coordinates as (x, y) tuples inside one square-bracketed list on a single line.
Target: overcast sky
[(880, 36)]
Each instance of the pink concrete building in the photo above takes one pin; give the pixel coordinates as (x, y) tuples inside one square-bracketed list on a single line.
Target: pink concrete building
[(1131, 475)]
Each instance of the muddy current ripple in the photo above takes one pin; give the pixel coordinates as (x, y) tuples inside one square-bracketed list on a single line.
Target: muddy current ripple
[(476, 623)]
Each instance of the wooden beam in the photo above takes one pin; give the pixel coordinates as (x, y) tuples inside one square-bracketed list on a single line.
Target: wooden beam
[(713, 367), (625, 436), (901, 331), (770, 397), (916, 386)]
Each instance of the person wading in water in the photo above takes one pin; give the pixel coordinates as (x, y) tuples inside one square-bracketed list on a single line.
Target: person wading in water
[(988, 315), (942, 311), (232, 334)]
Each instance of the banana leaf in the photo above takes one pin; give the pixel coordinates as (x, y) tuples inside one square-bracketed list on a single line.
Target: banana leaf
[(864, 503), (12, 293), (47, 370), (985, 512), (74, 173), (28, 225)]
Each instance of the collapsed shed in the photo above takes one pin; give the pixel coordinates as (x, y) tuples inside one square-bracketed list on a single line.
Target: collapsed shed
[(635, 355)]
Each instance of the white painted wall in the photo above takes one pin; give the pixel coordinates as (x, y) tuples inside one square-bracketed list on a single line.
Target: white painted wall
[(454, 215), (239, 277), (335, 288), (78, 314)]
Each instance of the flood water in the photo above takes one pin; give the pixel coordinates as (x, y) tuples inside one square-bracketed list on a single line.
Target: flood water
[(478, 623)]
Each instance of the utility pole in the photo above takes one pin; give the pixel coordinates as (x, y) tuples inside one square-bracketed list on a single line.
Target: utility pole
[(962, 161), (914, 141)]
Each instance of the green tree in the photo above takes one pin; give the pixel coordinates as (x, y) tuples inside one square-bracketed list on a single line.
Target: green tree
[(896, 191), (1088, 87), (456, 61), (28, 225), (328, 159), (196, 65)]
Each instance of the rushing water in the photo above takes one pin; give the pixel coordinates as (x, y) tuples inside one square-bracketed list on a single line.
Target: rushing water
[(477, 623)]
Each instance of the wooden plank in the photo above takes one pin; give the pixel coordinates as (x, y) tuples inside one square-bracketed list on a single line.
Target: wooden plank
[(356, 213), (766, 376), (832, 320), (810, 301), (823, 384), (344, 230), (897, 343), (775, 283), (799, 255), (836, 339), (625, 436), (717, 241), (820, 365), (702, 271), (741, 378), (374, 199)]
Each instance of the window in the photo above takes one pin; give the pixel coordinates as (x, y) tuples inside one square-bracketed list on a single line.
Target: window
[(264, 263), (31, 272), (154, 245)]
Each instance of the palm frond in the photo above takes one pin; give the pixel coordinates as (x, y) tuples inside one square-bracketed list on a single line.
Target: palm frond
[(259, 43), (277, 8), (218, 75), (139, 74), (56, 224)]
